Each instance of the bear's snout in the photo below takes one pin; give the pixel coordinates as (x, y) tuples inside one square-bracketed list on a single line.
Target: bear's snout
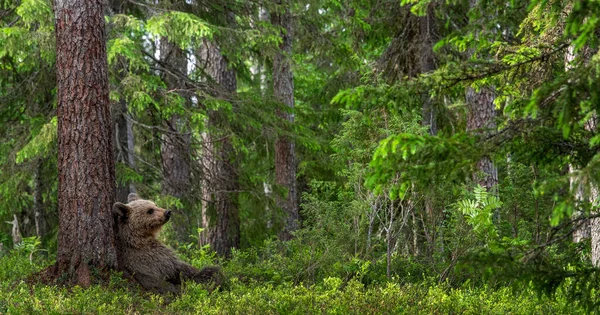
[(168, 214)]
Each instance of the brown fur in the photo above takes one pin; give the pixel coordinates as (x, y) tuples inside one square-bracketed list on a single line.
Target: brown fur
[(151, 263)]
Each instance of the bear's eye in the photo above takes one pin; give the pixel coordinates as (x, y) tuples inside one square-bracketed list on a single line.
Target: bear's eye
[(150, 211)]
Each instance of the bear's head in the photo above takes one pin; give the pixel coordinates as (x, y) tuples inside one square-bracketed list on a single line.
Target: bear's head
[(139, 218)]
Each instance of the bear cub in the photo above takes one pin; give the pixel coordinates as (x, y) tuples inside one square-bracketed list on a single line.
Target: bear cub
[(142, 256)]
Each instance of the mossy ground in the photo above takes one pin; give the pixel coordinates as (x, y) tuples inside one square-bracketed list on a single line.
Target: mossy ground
[(331, 295)]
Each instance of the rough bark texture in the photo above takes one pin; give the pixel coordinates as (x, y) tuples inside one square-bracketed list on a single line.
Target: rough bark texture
[(86, 170), (220, 207), (481, 120), (175, 149), (285, 156)]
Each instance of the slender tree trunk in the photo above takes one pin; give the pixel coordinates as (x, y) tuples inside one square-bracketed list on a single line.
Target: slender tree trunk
[(17, 238), (594, 228), (220, 207), (175, 148), (427, 64), (86, 170), (285, 156), (124, 148), (426, 60), (594, 223), (481, 120), (124, 142), (372, 215), (585, 230), (388, 256), (415, 235), (589, 228)]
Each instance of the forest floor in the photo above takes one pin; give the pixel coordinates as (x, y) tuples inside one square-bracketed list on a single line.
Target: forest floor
[(19, 294)]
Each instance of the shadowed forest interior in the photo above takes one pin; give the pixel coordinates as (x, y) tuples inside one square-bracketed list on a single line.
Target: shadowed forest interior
[(401, 156)]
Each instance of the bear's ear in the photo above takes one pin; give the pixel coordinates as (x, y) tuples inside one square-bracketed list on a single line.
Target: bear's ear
[(132, 197), (121, 210)]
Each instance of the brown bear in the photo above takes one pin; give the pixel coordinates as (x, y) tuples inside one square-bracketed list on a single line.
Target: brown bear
[(142, 256)]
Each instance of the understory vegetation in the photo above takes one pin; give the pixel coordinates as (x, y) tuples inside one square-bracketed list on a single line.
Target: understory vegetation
[(256, 286), (360, 156)]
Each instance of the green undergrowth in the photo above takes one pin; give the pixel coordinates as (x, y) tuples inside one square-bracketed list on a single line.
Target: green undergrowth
[(249, 295)]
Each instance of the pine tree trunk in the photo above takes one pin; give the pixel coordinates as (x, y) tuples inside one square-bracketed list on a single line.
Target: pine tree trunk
[(285, 156), (175, 148), (124, 142), (86, 170), (481, 120), (123, 147), (220, 207), (585, 229), (427, 64)]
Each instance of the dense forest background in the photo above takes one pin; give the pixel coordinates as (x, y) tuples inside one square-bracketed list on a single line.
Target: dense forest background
[(413, 148)]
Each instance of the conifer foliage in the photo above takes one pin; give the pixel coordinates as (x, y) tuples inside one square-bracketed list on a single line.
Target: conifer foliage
[(379, 141)]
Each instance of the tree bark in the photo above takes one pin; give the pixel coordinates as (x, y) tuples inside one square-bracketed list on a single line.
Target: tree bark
[(588, 228), (86, 170), (594, 228), (220, 207), (285, 156), (481, 119), (175, 148), (594, 223), (17, 238), (427, 64)]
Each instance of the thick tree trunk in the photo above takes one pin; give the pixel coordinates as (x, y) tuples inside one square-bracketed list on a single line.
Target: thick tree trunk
[(285, 156), (175, 149), (86, 170), (220, 207)]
